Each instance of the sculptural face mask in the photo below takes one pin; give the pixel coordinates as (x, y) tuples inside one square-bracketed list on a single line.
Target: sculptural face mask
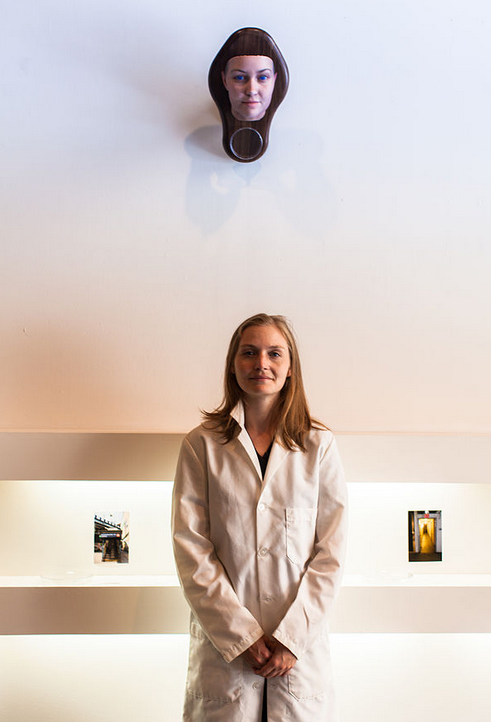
[(249, 80)]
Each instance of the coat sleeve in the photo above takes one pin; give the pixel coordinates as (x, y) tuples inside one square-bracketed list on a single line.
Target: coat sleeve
[(227, 623), (306, 618)]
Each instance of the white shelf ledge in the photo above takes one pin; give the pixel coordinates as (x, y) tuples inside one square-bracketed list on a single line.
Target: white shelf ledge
[(87, 580), (388, 579)]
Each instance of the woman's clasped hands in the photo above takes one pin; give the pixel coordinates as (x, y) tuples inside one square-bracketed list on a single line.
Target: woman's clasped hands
[(269, 658)]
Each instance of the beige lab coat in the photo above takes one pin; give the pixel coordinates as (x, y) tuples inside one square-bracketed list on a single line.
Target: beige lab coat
[(258, 557)]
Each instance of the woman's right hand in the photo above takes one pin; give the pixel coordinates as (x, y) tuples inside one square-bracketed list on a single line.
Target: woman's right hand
[(280, 662), (258, 654)]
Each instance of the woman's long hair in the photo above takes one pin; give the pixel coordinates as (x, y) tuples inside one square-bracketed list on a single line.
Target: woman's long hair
[(291, 417)]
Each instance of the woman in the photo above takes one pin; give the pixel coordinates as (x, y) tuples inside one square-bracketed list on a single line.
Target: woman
[(259, 528)]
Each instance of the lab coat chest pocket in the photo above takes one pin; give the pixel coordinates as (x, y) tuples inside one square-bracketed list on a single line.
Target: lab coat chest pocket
[(209, 676), (300, 533)]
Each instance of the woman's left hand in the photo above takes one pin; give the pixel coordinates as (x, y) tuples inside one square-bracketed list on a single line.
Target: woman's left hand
[(280, 662)]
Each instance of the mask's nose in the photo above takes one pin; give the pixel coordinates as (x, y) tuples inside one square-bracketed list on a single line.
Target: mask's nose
[(251, 87)]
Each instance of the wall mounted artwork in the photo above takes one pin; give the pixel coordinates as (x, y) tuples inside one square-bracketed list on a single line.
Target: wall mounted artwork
[(425, 536), (248, 79), (111, 537)]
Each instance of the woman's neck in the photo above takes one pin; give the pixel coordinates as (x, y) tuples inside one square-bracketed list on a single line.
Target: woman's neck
[(259, 424)]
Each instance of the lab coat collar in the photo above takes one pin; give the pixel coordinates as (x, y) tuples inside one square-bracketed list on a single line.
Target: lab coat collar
[(278, 452), (238, 413)]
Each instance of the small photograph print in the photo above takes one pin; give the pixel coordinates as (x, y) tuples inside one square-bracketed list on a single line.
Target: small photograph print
[(425, 536), (112, 537)]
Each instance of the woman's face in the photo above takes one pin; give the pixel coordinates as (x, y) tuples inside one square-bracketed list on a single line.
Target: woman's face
[(262, 361), (249, 80)]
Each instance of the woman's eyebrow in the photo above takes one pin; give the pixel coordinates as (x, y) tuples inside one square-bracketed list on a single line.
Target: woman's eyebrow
[(270, 348), (239, 70)]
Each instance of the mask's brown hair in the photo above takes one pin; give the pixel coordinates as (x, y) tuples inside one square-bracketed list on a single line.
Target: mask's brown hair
[(291, 417), (248, 41)]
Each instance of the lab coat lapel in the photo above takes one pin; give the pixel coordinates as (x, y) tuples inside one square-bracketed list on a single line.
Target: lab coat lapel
[(245, 440), (277, 456), (278, 452)]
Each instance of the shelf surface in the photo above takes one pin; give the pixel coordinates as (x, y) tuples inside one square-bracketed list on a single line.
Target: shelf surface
[(383, 579)]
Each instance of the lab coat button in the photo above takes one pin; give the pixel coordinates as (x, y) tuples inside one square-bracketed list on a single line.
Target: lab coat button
[(257, 685), (261, 507), (262, 552)]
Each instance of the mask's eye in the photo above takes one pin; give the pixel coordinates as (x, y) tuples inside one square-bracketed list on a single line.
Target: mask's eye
[(238, 78)]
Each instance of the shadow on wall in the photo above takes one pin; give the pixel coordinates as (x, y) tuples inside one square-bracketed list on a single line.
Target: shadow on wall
[(289, 175)]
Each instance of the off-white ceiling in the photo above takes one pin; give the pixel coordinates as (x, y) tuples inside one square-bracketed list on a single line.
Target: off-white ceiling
[(131, 246)]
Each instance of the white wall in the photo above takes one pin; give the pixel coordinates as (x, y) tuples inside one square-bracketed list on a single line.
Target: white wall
[(378, 540), (57, 519), (131, 245), (378, 676)]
